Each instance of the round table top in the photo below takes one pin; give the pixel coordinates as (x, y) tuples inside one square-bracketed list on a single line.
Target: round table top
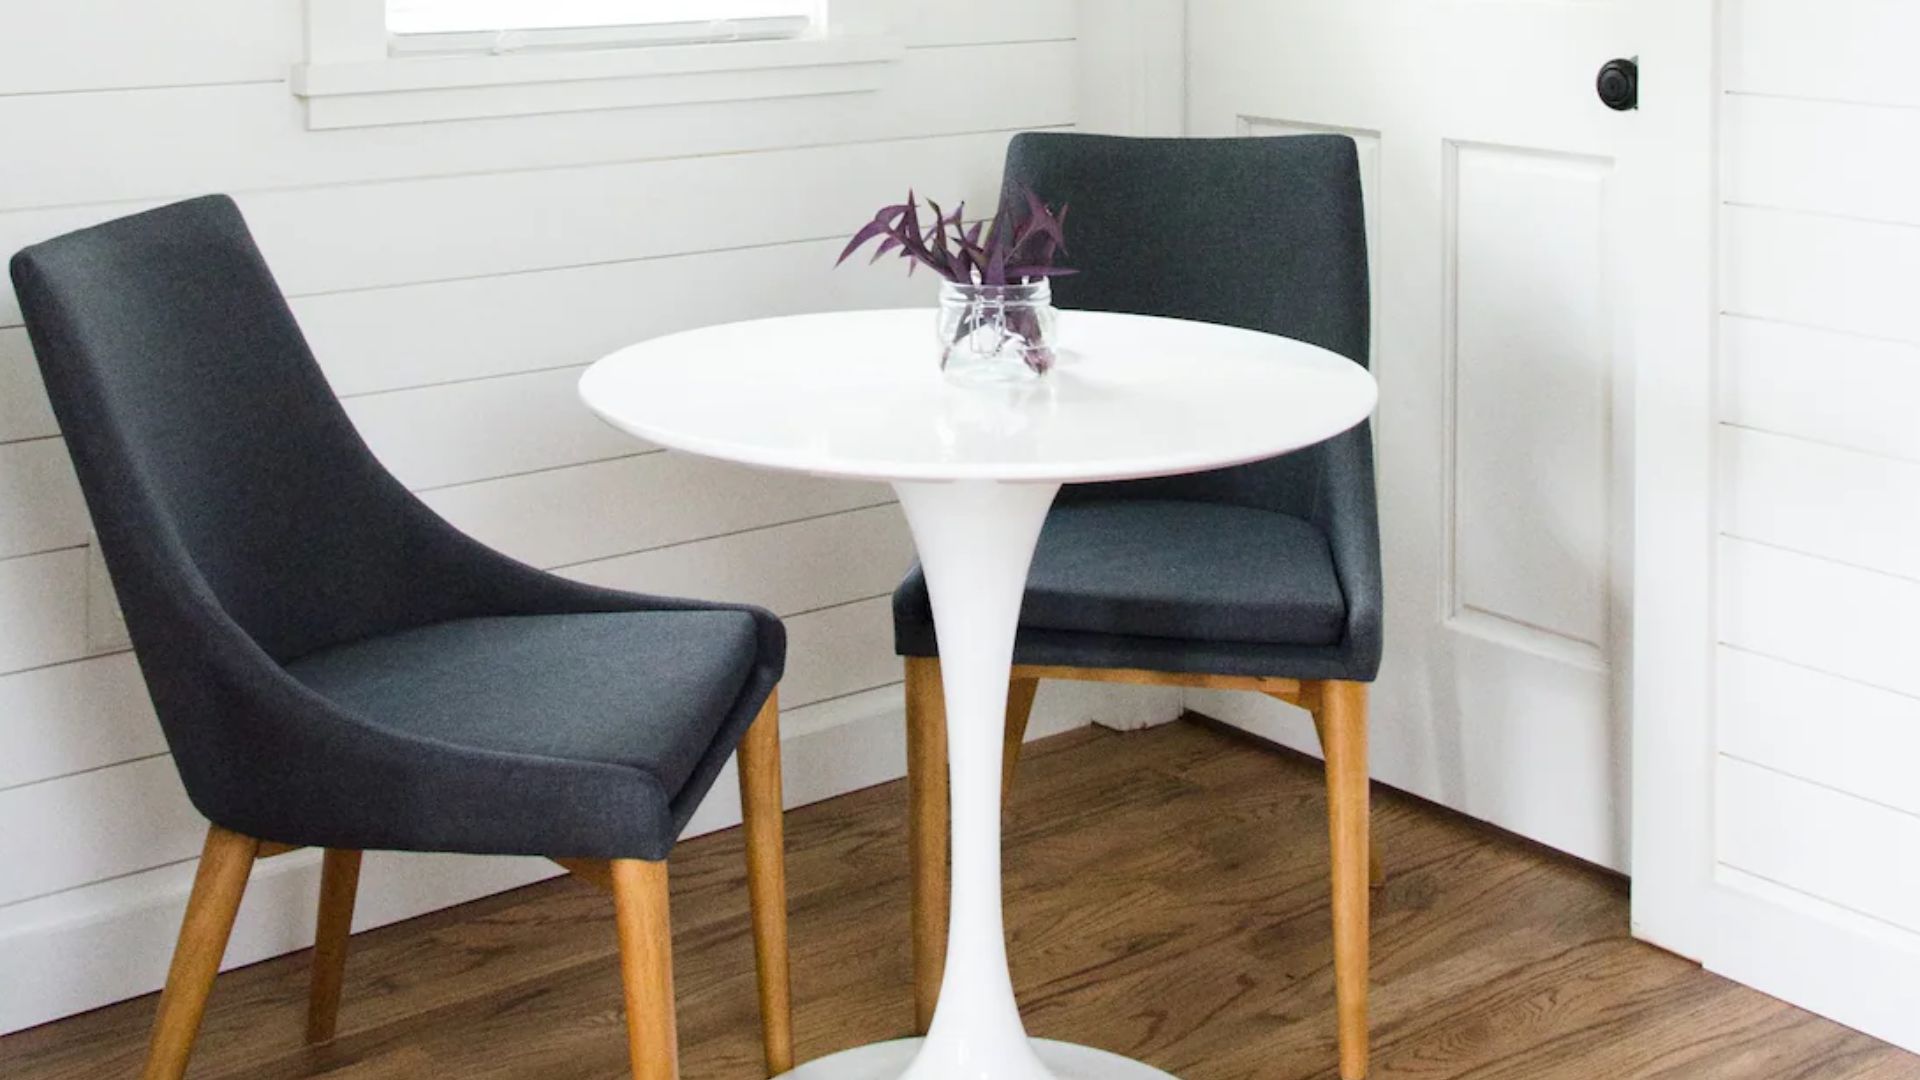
[(860, 394)]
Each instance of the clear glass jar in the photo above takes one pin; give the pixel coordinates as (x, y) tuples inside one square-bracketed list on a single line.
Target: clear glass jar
[(996, 333)]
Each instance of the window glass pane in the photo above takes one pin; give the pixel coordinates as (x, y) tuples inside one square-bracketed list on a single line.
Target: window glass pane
[(459, 16)]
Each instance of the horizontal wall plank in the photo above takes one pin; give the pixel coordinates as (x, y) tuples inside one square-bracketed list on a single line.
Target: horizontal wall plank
[(1861, 393), (1815, 270), (1839, 504), (86, 827), (786, 569), (24, 411), (72, 717), (1839, 619), (366, 236), (1847, 50), (461, 432), (839, 651), (94, 825), (1821, 156), (388, 234), (172, 143), (40, 504), (1832, 731), (615, 508), (92, 44), (1822, 842), (44, 601), (415, 335), (994, 20)]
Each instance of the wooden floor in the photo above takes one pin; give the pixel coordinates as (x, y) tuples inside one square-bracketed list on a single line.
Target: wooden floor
[(1166, 899)]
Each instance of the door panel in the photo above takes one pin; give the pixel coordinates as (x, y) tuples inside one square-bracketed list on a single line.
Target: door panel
[(1532, 387), (1489, 164)]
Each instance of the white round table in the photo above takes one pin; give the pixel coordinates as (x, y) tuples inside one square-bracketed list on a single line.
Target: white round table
[(859, 395)]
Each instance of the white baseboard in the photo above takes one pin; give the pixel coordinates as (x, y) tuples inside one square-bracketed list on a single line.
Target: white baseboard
[(1847, 967), (112, 940)]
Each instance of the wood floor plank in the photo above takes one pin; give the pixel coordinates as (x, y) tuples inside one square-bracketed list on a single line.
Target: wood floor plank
[(1166, 898)]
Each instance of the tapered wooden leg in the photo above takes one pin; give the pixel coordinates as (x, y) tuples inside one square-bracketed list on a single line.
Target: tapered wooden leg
[(339, 882), (927, 831), (1019, 710), (761, 809), (646, 967), (217, 887), (1342, 722)]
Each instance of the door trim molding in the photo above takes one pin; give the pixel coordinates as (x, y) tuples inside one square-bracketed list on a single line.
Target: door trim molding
[(1671, 181)]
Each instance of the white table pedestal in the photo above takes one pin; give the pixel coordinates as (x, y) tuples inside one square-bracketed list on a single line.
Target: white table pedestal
[(890, 1060), (976, 540)]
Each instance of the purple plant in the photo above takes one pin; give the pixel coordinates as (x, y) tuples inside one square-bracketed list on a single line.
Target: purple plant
[(1019, 246)]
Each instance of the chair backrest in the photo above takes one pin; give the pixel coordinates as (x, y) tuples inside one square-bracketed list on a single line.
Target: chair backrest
[(1266, 234), (214, 456)]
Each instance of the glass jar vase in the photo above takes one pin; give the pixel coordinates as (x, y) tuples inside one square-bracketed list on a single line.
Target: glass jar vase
[(996, 333)]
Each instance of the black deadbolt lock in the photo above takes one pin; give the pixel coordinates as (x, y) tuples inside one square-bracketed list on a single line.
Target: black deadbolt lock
[(1619, 85)]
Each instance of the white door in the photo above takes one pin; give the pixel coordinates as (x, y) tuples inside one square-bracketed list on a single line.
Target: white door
[(1558, 526), (1501, 209)]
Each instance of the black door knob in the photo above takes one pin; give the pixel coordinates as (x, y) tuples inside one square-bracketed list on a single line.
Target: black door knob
[(1619, 85)]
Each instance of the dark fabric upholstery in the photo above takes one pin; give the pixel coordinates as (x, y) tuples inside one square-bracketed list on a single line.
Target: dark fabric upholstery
[(247, 527), (648, 690), (1169, 569), (1267, 234)]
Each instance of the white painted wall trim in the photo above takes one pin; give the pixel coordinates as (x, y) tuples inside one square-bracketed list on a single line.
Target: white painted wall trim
[(354, 77), (1674, 195)]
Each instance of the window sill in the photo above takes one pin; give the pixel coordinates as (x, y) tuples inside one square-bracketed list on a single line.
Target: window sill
[(425, 89)]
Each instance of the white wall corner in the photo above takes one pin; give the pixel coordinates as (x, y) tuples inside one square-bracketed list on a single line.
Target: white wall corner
[(1133, 67)]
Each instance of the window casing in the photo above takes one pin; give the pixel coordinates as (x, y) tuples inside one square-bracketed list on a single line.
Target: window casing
[(382, 62), (418, 26)]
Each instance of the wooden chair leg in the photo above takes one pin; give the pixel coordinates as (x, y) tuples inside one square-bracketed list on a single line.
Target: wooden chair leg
[(217, 887), (646, 967), (927, 831), (339, 883), (1020, 694), (1342, 723), (762, 810)]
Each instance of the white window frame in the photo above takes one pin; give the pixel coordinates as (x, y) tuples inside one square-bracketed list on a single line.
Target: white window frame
[(358, 74), (603, 31)]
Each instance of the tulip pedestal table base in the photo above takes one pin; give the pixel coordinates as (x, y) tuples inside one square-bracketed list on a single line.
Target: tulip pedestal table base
[(886, 1061), (976, 470), (976, 540)]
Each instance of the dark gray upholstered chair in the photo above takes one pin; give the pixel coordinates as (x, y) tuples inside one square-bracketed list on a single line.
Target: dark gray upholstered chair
[(337, 667), (1264, 577)]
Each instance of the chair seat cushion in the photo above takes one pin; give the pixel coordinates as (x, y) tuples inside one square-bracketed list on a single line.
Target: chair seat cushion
[(649, 690), (1174, 569)]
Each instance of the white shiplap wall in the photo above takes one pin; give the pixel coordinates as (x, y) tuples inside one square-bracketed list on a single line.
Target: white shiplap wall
[(454, 279), (1818, 728)]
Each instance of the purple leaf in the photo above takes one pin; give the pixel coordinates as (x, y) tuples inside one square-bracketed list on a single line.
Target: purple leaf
[(867, 232), (984, 252)]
